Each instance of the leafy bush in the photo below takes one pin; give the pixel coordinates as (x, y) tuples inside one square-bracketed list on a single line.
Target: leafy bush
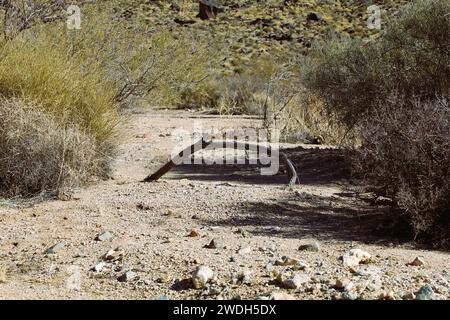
[(39, 155)]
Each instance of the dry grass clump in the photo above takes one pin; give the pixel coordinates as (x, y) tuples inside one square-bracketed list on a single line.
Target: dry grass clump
[(38, 154)]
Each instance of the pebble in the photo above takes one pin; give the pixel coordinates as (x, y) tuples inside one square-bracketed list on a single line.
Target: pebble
[(409, 296), (417, 262), (99, 266), (341, 283), (348, 295), (55, 248), (296, 281), (215, 244), (244, 251), (201, 276), (286, 261), (127, 276), (194, 233), (312, 247), (104, 236)]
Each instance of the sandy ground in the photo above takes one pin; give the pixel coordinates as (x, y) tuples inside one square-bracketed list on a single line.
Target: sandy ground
[(255, 219)]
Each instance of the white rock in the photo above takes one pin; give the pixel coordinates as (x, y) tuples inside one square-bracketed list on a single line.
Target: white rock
[(201, 276), (296, 281), (244, 251), (354, 257), (99, 267)]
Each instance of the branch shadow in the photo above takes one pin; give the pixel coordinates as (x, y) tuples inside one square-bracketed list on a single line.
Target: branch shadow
[(323, 218)]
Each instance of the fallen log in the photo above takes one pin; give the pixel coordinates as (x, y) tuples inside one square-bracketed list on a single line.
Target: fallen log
[(201, 144), (218, 144)]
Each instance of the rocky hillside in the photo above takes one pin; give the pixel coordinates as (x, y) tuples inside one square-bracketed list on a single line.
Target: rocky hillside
[(245, 29)]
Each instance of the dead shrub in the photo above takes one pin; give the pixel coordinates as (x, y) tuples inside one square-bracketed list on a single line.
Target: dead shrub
[(38, 155), (406, 156)]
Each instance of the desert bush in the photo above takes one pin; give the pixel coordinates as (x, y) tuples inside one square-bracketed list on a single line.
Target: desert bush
[(394, 93), (39, 155), (406, 156), (411, 57)]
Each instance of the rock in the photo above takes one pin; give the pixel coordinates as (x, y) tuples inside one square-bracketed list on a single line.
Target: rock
[(349, 286), (312, 247), (244, 251), (281, 296), (409, 296), (387, 296), (114, 255), (341, 283), (243, 278), (201, 276), (296, 281), (417, 262), (104, 236), (349, 295), (208, 9), (312, 16), (55, 248), (286, 261), (127, 276), (215, 244), (425, 293), (194, 233), (300, 266), (99, 266), (354, 257)]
